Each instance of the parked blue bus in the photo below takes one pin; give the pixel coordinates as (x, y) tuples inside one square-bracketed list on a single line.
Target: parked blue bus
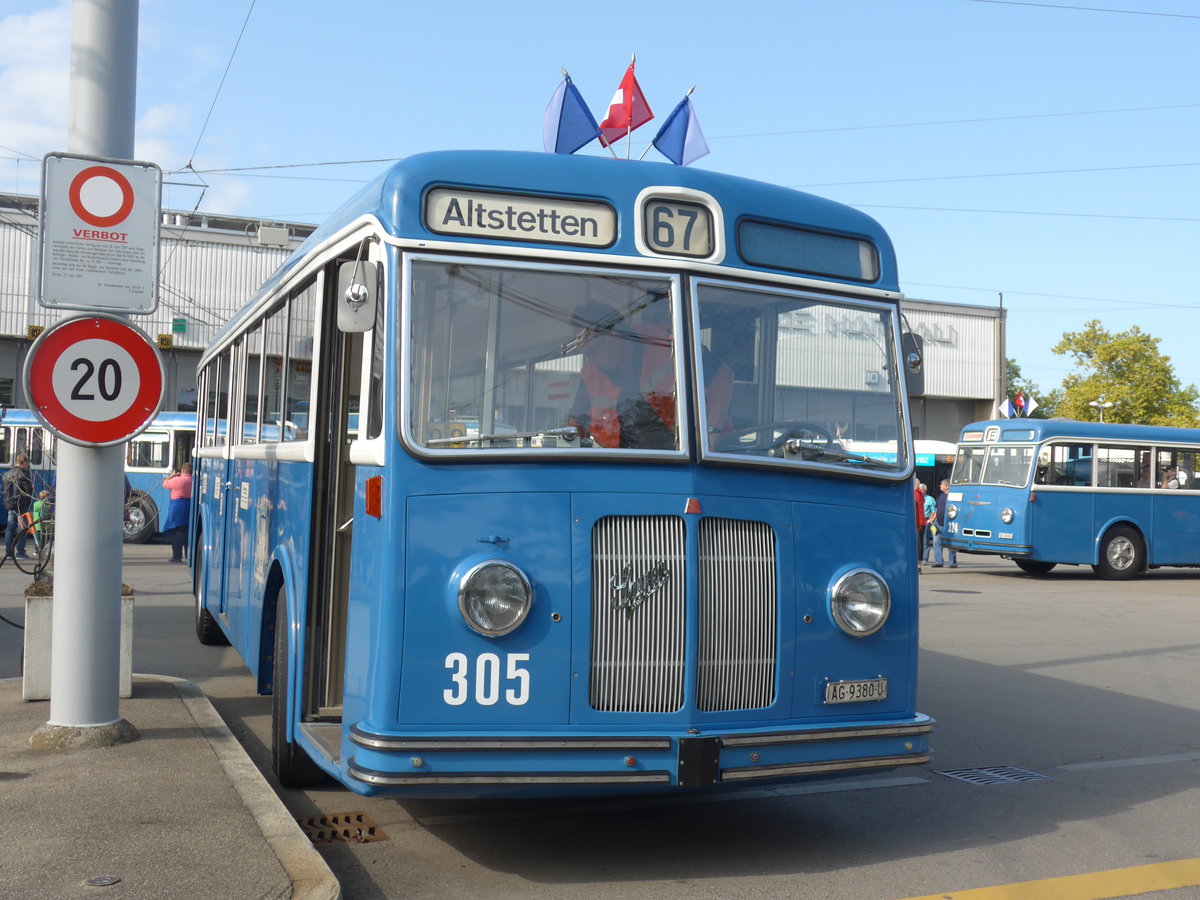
[(149, 458), (536, 474), (1120, 498)]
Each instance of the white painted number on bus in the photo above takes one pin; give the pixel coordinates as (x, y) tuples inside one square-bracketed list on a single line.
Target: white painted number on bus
[(490, 680)]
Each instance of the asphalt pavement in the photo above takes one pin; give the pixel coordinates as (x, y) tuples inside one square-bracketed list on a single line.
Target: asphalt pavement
[(179, 812)]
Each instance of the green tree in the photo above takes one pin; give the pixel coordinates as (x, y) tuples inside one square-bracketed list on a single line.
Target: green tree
[(1047, 402), (1127, 370)]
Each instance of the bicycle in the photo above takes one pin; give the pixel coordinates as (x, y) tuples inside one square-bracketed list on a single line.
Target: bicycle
[(42, 533)]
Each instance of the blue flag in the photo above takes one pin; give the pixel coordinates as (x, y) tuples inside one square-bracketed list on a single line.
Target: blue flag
[(680, 139), (568, 124)]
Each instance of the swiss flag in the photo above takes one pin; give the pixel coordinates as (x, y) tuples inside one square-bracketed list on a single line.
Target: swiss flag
[(1019, 402), (628, 110)]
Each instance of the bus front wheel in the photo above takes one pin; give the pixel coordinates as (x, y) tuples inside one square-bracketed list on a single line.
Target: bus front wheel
[(1122, 553), (208, 632), (1033, 566), (141, 519), (292, 765)]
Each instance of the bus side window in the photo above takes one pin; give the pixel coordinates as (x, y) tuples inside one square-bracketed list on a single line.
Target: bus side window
[(5, 448), (252, 385), (375, 402), (211, 381), (271, 401), (1187, 466), (298, 385)]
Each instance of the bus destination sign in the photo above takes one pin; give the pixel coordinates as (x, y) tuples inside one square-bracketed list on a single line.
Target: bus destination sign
[(520, 217)]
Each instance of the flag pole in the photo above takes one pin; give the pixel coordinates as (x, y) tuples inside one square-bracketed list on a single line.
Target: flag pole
[(651, 144), (629, 127)]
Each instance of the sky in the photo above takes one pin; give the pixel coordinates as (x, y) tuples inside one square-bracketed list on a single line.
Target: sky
[(1038, 154)]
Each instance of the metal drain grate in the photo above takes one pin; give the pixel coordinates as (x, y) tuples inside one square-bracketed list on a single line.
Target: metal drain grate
[(351, 828), (995, 775)]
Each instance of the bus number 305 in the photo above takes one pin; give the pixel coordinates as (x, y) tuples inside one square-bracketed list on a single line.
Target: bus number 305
[(487, 679)]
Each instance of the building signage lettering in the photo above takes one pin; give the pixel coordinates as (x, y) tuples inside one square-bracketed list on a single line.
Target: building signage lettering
[(520, 218)]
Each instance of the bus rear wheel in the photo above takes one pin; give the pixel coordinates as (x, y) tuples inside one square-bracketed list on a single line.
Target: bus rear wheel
[(292, 765), (1122, 553), (1033, 566)]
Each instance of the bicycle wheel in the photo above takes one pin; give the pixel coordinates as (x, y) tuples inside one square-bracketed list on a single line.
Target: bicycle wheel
[(45, 553)]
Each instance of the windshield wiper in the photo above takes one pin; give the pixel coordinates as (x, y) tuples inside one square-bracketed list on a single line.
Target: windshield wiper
[(566, 432), (796, 446)]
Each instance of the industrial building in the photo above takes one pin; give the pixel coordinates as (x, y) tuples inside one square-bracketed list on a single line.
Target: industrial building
[(211, 264)]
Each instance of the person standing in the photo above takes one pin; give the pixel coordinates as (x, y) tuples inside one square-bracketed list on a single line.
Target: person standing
[(930, 512), (179, 513), (941, 530), (18, 500), (919, 509)]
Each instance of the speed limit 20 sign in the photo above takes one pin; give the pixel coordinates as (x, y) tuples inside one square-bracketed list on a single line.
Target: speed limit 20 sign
[(94, 380)]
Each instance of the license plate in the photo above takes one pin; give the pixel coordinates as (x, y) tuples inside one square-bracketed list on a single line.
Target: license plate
[(856, 691)]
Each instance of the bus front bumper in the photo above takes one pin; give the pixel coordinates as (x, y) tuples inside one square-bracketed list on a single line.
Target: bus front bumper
[(388, 763), (985, 543)]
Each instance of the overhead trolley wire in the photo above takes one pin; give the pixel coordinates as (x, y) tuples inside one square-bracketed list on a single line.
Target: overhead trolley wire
[(1124, 12)]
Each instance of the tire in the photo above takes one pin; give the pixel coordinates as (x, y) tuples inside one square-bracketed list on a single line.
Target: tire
[(141, 519), (1122, 554), (292, 765), (1033, 567), (208, 631)]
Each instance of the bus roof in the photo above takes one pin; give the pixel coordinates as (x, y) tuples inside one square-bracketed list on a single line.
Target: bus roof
[(1044, 429), (396, 198)]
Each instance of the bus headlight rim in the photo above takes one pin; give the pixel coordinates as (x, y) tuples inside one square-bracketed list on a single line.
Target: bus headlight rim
[(951, 511), (494, 597), (860, 602), (1006, 516)]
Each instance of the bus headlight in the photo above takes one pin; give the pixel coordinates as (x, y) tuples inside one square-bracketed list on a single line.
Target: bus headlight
[(1006, 516), (494, 597), (860, 602), (951, 511)]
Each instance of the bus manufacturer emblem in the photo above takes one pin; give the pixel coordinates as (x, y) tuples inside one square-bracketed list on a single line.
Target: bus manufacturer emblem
[(629, 593)]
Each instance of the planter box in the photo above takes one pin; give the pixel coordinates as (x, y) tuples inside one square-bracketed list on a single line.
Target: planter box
[(35, 683)]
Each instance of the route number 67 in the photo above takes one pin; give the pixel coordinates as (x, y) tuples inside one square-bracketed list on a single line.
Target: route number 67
[(487, 679)]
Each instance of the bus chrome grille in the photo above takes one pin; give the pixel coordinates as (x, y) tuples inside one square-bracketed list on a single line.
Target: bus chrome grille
[(737, 615), (638, 597), (639, 601)]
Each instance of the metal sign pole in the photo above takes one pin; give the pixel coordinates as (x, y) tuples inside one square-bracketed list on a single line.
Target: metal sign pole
[(85, 642)]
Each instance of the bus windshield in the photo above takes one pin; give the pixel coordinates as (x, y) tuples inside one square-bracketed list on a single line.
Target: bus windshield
[(798, 379), (520, 358), (993, 465), (511, 357)]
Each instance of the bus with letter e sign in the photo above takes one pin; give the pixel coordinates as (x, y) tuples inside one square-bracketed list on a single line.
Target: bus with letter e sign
[(98, 234), (94, 380)]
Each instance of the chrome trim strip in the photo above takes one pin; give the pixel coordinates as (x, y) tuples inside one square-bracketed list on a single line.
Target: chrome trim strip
[(817, 768), (373, 741), (826, 734), (369, 776)]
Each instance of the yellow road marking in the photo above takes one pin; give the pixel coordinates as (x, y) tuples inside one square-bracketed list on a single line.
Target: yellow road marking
[(1129, 882)]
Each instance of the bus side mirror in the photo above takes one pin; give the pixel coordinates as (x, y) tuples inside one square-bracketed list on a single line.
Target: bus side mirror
[(357, 294), (912, 349)]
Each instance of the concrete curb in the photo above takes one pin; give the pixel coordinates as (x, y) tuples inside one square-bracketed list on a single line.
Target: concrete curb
[(311, 877)]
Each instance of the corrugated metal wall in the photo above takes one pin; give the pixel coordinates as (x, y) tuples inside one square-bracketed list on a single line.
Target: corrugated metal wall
[(962, 358), (205, 277)]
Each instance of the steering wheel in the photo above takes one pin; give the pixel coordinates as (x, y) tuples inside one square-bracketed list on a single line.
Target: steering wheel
[(769, 438)]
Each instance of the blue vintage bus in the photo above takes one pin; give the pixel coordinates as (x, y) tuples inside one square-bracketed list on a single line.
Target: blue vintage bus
[(537, 474), (149, 458), (1120, 498)]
